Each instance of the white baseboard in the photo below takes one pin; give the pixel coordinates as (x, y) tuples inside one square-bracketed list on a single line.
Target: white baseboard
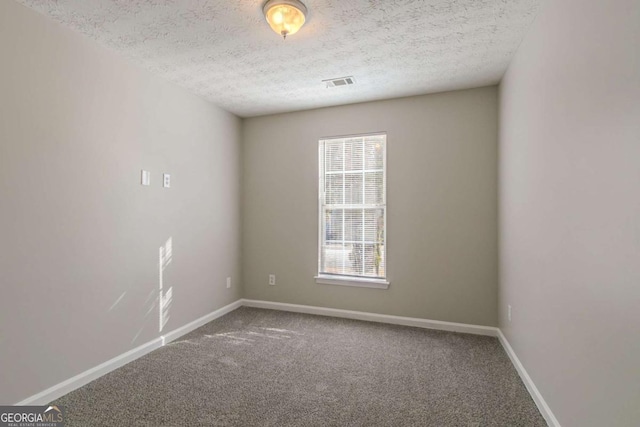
[(422, 323), (374, 317), (177, 333), (87, 376), (544, 409)]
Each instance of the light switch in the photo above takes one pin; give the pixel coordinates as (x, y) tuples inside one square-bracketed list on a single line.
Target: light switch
[(145, 178), (167, 180)]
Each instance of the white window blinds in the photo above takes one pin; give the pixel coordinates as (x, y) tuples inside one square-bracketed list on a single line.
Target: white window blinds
[(353, 206)]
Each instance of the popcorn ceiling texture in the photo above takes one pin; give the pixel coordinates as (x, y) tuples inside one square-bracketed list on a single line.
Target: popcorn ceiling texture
[(226, 52)]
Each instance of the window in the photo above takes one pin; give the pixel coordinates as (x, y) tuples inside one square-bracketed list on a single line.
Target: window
[(352, 241)]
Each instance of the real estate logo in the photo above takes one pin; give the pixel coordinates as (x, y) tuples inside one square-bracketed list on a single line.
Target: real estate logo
[(32, 416)]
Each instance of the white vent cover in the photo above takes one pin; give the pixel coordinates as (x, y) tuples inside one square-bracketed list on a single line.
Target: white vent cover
[(340, 81)]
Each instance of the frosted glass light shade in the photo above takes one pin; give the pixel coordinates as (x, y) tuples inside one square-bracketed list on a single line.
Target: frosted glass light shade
[(285, 16)]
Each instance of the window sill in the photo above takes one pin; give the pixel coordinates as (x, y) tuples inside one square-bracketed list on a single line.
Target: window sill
[(352, 281)]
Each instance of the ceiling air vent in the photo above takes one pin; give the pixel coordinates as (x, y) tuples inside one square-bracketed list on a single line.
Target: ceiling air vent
[(340, 81)]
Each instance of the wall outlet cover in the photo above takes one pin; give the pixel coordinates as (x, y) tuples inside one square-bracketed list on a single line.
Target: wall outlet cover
[(145, 178)]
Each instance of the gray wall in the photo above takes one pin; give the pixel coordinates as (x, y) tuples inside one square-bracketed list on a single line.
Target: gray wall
[(570, 209), (442, 206), (77, 230)]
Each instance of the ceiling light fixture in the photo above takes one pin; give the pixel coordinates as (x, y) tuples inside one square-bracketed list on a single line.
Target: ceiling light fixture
[(285, 16)]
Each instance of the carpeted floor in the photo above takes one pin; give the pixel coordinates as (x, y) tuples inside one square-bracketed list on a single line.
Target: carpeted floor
[(257, 367)]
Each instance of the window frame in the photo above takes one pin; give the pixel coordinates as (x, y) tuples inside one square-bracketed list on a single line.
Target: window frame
[(348, 280)]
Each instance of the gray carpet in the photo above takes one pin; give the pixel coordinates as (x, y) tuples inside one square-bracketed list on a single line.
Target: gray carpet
[(257, 367)]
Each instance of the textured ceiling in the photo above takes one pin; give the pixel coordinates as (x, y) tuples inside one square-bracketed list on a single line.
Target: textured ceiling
[(226, 52)]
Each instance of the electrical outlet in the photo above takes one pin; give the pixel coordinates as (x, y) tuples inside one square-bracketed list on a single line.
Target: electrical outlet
[(228, 282), (166, 180), (509, 312), (272, 279)]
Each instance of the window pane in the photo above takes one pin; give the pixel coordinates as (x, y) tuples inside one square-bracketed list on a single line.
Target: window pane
[(354, 156), (334, 156), (354, 225), (373, 261), (334, 189), (334, 225), (374, 153), (336, 258), (353, 188), (374, 188), (374, 225)]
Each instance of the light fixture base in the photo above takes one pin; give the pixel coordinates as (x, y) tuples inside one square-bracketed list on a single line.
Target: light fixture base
[(295, 3)]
